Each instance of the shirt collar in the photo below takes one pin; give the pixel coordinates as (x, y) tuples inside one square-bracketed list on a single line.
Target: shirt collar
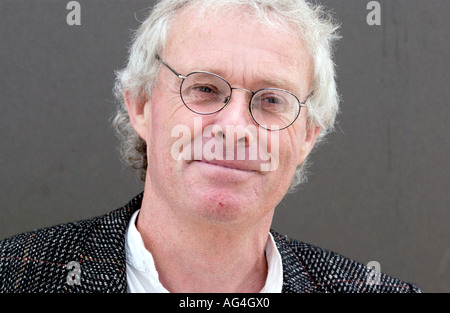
[(142, 275)]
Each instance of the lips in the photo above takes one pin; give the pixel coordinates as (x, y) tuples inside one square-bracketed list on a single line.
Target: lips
[(248, 166), (235, 156)]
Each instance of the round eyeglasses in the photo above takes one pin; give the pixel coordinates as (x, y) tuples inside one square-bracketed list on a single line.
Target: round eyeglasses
[(207, 93)]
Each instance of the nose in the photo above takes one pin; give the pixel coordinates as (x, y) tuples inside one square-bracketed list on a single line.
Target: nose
[(235, 121)]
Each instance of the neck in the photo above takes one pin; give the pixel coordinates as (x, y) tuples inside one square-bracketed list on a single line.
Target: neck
[(194, 255)]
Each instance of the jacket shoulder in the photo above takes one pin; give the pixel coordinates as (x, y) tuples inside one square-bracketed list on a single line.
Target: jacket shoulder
[(27, 259), (41, 260), (328, 271)]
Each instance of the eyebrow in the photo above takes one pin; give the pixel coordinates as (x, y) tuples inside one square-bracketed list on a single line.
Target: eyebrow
[(288, 84), (264, 82)]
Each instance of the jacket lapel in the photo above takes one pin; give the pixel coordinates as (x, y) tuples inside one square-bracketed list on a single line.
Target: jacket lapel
[(103, 263), (296, 278)]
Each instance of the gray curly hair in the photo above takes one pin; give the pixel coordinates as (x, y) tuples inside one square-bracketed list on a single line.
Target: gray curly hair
[(316, 27)]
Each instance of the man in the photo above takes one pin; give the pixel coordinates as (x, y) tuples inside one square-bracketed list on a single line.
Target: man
[(221, 104)]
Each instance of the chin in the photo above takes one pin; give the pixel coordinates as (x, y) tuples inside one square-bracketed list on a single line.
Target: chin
[(220, 208)]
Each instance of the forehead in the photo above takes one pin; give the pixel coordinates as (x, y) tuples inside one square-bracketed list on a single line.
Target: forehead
[(236, 43)]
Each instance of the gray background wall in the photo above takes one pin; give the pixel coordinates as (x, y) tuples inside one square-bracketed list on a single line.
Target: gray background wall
[(378, 190)]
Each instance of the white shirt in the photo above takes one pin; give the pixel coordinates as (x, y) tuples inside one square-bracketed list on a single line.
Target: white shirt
[(142, 275)]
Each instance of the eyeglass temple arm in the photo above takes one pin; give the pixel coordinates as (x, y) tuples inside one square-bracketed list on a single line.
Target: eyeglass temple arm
[(171, 69), (303, 104)]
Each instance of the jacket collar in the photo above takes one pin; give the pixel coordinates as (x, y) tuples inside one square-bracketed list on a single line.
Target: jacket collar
[(296, 278)]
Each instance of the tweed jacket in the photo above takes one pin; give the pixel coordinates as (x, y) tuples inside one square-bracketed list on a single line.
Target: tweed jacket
[(43, 260)]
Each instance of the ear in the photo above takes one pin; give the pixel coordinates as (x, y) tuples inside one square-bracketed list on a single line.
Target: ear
[(137, 113), (311, 135)]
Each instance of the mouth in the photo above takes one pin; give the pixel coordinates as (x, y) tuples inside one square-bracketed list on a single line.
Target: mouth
[(244, 166), (237, 158)]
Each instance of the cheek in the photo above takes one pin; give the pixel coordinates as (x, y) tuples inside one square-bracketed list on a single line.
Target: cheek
[(290, 154), (163, 109), (291, 151), (171, 129)]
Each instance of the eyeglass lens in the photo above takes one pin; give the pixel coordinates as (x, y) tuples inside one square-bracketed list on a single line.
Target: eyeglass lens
[(207, 93)]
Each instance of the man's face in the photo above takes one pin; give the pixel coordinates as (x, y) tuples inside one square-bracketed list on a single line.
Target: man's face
[(248, 55)]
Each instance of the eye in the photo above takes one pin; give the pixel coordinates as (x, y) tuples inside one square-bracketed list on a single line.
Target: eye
[(272, 103), (202, 93), (205, 89), (269, 99)]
